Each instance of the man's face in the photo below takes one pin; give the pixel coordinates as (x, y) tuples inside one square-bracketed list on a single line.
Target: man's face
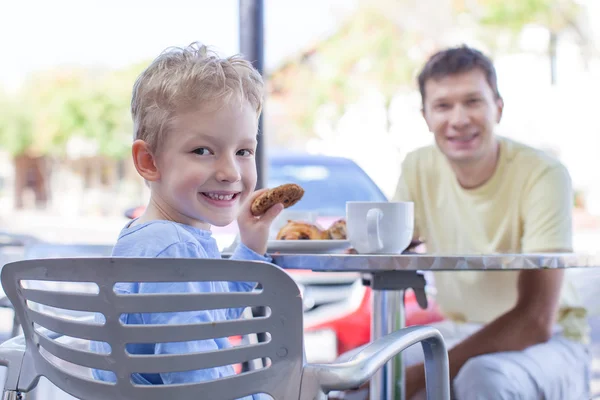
[(461, 111)]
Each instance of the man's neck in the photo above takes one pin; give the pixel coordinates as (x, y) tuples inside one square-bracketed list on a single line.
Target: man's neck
[(475, 174)]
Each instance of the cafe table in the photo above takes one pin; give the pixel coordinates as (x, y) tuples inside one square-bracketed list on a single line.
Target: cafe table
[(390, 275)]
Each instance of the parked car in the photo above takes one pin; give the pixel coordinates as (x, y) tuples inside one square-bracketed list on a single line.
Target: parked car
[(337, 306)]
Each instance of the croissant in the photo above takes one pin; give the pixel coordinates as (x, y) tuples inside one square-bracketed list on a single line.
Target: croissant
[(337, 230), (294, 230)]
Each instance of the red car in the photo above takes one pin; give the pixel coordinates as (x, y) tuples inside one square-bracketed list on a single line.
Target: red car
[(337, 306)]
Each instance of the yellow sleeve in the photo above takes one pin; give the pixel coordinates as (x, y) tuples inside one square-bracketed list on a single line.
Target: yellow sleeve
[(547, 212), (403, 193)]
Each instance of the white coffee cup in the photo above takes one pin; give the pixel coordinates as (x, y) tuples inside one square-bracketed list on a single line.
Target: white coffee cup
[(380, 227)]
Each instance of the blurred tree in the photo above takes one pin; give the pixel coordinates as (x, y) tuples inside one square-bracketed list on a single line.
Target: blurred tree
[(16, 138), (78, 103), (557, 16), (55, 98), (66, 113), (370, 51), (114, 92), (56, 106), (16, 125)]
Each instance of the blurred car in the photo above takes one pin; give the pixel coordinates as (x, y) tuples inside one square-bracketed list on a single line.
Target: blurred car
[(337, 307)]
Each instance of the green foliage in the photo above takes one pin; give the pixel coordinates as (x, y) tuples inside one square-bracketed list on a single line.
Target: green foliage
[(555, 15), (16, 130), (368, 52), (371, 50), (58, 105)]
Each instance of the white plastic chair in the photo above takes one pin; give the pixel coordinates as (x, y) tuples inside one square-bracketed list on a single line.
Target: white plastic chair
[(35, 249), (39, 352), (12, 248)]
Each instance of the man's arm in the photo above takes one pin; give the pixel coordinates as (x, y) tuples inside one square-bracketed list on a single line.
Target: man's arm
[(547, 219), (530, 322)]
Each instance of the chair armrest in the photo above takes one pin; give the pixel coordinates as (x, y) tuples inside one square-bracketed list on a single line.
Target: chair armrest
[(360, 367), (11, 356)]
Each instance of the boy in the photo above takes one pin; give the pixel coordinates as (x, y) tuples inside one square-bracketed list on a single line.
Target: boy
[(195, 124)]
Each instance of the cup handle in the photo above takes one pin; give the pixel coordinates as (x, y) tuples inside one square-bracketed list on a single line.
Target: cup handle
[(374, 215)]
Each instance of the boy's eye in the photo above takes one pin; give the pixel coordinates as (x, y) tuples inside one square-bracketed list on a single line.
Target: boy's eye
[(244, 153), (202, 151)]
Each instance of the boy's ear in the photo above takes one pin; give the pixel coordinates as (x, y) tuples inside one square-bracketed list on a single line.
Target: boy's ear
[(143, 160)]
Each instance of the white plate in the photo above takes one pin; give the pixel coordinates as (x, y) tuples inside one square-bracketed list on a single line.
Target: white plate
[(306, 246)]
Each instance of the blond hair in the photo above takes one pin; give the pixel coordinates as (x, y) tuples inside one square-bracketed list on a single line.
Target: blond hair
[(180, 79)]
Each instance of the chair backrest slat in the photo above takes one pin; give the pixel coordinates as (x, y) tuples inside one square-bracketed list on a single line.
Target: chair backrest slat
[(145, 364), (200, 331), (66, 327), (70, 301), (143, 304), (75, 356), (71, 328), (182, 303), (278, 293)]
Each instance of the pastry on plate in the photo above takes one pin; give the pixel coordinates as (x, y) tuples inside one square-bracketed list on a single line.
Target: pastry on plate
[(337, 230), (295, 230)]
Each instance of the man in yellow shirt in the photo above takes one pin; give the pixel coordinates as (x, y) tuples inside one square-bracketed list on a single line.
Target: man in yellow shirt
[(511, 334)]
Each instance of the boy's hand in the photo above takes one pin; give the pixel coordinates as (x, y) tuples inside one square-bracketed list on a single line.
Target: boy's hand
[(254, 231)]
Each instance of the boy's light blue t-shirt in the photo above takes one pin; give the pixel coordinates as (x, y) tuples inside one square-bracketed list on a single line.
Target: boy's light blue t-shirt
[(167, 239)]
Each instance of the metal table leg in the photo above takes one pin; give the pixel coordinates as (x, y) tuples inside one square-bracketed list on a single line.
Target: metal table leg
[(377, 384), (388, 315), (395, 368)]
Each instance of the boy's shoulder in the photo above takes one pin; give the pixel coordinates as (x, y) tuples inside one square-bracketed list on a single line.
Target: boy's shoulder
[(150, 239)]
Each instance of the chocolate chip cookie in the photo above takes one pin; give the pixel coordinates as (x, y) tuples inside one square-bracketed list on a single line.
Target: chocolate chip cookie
[(288, 195)]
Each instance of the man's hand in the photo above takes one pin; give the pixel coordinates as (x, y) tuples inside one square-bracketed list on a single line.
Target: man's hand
[(254, 231)]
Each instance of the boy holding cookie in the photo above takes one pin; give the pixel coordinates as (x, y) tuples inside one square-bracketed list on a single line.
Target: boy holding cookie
[(195, 122)]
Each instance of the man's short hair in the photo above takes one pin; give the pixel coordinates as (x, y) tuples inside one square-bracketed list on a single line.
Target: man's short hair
[(184, 79), (454, 61)]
